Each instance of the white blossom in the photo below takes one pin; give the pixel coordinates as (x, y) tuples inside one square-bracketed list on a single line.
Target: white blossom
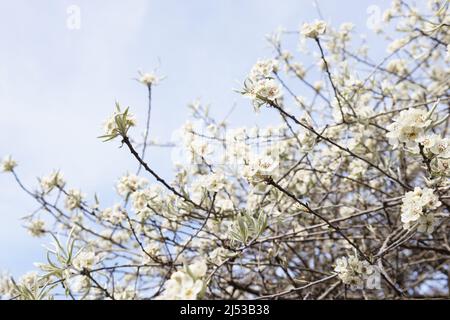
[(398, 66), (427, 224), (198, 268), (259, 167), (263, 69), (314, 29), (148, 78), (54, 180), (130, 183), (436, 145), (36, 228), (115, 215), (214, 182), (417, 205), (409, 127), (86, 259), (186, 284), (74, 199), (263, 90), (7, 288), (353, 271), (8, 164)]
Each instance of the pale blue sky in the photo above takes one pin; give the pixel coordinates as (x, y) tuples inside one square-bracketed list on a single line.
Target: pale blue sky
[(58, 85)]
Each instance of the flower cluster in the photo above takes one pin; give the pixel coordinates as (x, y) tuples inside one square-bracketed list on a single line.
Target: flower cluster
[(114, 215), (398, 66), (29, 287), (8, 164), (213, 182), (314, 29), (74, 199), (260, 85), (148, 79), (54, 180), (260, 167), (7, 288), (417, 209), (36, 228), (266, 89), (264, 69), (409, 127), (130, 183), (435, 145), (187, 284), (353, 271), (146, 200), (86, 259)]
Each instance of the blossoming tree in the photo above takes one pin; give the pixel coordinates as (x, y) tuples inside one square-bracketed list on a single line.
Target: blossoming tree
[(348, 197)]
